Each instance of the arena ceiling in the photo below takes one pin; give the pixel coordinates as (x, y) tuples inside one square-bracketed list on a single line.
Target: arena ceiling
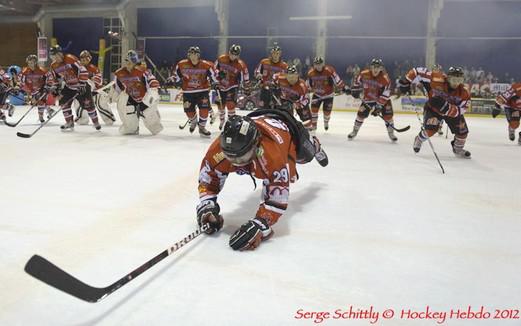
[(31, 7)]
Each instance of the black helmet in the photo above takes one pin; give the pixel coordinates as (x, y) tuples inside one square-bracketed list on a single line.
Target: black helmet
[(275, 48), (292, 70), (455, 72), (194, 49), (55, 49), (318, 60), (377, 62), (239, 135), (235, 49)]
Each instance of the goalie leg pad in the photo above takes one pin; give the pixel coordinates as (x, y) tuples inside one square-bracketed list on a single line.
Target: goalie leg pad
[(102, 101), (152, 119), (128, 115)]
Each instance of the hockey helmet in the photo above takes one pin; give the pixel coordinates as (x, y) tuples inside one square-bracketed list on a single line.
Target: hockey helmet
[(194, 50), (132, 57), (235, 49), (455, 76), (31, 58), (318, 60), (55, 49), (238, 139)]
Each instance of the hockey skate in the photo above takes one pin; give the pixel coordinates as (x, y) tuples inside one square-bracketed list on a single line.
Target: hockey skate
[(68, 126), (41, 119), (320, 154), (221, 125), (50, 112), (511, 134), (417, 144), (519, 138), (353, 134), (326, 126), (212, 117), (204, 133), (10, 110), (193, 124), (390, 132), (460, 152), (97, 126)]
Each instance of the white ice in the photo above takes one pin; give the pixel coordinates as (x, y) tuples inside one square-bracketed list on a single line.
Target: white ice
[(380, 226)]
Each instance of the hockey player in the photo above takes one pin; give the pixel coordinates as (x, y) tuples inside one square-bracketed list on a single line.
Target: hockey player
[(33, 81), (232, 73), (101, 98), (447, 100), (375, 85), (137, 97), (265, 145), (5, 89), (66, 68), (265, 71), (510, 101), (292, 91), (322, 80), (196, 77)]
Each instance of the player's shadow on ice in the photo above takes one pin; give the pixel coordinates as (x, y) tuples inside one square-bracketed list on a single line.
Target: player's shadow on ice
[(143, 285), (298, 200)]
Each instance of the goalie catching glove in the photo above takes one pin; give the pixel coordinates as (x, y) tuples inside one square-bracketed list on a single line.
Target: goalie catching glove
[(251, 234), (208, 212)]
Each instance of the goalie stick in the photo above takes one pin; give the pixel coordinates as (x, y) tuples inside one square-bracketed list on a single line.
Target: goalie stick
[(45, 271)]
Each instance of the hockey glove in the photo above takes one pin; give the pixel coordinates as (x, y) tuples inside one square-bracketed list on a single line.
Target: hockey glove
[(221, 75), (355, 92), (405, 86), (83, 89), (208, 212), (496, 111), (250, 234), (346, 90), (378, 109)]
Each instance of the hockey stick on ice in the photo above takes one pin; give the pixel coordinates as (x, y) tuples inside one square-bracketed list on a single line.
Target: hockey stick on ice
[(184, 125), (387, 124), (423, 130), (26, 113), (52, 275), (23, 135)]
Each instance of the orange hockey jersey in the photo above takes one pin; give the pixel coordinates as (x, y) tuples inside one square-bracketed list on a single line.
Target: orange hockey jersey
[(322, 83), (235, 72), (135, 82), (296, 93), (436, 84), (69, 70), (511, 98), (32, 81), (195, 78), (267, 69), (274, 163), (376, 89), (94, 74)]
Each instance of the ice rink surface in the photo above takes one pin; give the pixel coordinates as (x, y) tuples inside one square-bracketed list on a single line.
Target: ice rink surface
[(380, 226)]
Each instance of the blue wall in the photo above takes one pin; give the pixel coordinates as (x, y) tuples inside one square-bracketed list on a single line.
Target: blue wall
[(82, 33), (370, 18)]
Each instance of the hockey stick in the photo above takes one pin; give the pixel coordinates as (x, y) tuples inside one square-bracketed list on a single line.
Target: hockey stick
[(26, 113), (387, 124), (184, 125), (45, 271), (21, 134), (423, 130)]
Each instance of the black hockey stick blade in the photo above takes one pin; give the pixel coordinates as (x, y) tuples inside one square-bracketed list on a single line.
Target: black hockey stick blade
[(402, 129), (45, 271), (21, 134)]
